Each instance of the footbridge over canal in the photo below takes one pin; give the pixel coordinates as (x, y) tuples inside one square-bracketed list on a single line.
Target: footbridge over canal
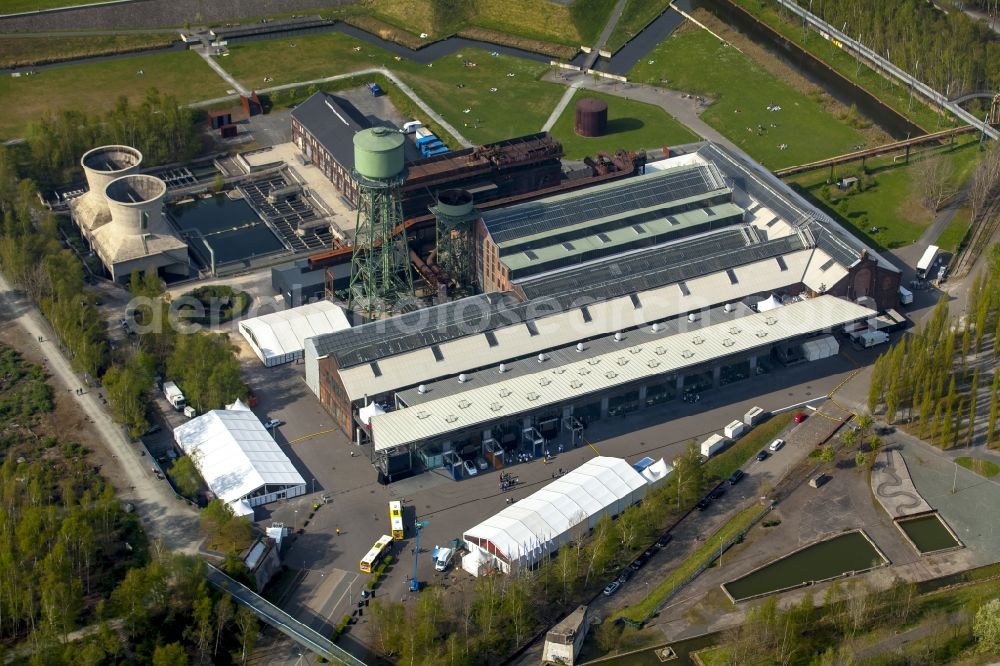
[(862, 155), (270, 614)]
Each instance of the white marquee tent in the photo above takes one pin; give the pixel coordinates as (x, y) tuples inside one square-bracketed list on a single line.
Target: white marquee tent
[(280, 337), (769, 303), (523, 533), (238, 458)]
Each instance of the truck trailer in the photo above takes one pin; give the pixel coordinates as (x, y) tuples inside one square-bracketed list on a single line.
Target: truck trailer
[(927, 261), (174, 396), (872, 338), (735, 429), (713, 445)]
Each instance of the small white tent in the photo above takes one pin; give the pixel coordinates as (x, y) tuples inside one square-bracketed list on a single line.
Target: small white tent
[(769, 303), (280, 337)]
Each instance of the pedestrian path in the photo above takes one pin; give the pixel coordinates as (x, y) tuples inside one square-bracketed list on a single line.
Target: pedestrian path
[(226, 76)]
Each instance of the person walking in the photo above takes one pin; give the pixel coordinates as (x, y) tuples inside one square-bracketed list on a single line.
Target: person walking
[(338, 531)]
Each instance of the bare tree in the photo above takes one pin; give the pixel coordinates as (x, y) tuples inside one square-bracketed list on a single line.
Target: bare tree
[(985, 183), (934, 181)]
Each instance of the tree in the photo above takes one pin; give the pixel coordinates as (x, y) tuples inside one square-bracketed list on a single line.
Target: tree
[(688, 473), (991, 425), (171, 654), (934, 181), (827, 454), (223, 615), (986, 626), (249, 631), (127, 386), (185, 476)]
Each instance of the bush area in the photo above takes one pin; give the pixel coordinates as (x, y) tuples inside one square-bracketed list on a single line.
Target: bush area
[(857, 624), (216, 304), (340, 628)]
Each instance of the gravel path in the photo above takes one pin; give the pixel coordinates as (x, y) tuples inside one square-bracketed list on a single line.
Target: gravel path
[(164, 516)]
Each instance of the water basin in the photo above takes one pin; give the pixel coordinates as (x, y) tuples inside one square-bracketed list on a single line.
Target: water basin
[(928, 534)]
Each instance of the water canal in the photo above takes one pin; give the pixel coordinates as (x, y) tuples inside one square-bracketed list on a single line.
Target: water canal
[(844, 554)]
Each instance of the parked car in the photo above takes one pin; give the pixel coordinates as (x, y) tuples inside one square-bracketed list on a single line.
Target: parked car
[(800, 417), (611, 588), (735, 478), (717, 493), (761, 456), (273, 423), (637, 563), (776, 445), (470, 468), (664, 540), (625, 575), (155, 428), (884, 430), (703, 503), (481, 463)]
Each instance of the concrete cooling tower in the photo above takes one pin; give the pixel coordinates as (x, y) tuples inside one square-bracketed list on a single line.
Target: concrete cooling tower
[(121, 215)]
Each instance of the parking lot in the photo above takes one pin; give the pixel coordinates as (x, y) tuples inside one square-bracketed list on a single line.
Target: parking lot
[(330, 581)]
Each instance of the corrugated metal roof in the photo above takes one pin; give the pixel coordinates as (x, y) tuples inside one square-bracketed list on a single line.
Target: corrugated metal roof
[(545, 216), (552, 385)]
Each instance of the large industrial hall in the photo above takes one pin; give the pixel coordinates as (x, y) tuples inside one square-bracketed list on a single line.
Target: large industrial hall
[(595, 303)]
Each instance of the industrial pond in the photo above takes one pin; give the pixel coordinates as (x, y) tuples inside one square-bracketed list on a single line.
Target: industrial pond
[(928, 534), (228, 227), (844, 554)]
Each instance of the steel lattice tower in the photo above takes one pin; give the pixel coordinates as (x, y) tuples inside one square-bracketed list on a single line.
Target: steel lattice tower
[(380, 268), (454, 215)]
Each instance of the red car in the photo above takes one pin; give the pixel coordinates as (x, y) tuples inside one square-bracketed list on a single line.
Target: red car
[(800, 417)]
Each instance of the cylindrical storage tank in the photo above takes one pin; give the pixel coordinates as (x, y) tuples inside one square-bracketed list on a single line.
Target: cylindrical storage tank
[(102, 165), (455, 203), (378, 153), (136, 203), (591, 117)]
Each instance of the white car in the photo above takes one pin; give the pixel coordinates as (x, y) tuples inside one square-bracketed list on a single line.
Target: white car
[(273, 423), (776, 444), (470, 468)]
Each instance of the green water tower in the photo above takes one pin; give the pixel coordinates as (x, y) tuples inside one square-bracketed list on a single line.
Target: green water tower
[(380, 266), (378, 153)]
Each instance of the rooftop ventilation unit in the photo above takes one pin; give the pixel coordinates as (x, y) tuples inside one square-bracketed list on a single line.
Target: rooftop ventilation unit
[(728, 307), (503, 368), (692, 317), (656, 328), (462, 378), (580, 347), (421, 389), (541, 358), (619, 337)]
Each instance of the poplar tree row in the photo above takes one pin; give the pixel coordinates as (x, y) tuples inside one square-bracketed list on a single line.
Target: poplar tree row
[(943, 377)]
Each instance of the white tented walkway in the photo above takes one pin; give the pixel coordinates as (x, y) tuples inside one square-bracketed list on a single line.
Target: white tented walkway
[(238, 458), (523, 533), (280, 337)]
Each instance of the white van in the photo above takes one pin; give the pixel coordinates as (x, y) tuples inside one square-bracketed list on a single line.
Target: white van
[(411, 126), (444, 557)]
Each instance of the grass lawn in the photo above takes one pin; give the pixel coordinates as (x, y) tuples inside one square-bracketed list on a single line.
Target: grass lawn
[(520, 105), (893, 93), (888, 203), (954, 233), (980, 466), (631, 125), (96, 87), (704, 554), (694, 61), (636, 15), (18, 6), (18, 51)]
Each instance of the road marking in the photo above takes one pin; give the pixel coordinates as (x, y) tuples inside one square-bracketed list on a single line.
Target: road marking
[(587, 442), (310, 436)]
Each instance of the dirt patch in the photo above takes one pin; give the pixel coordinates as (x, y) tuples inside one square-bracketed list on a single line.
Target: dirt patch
[(772, 64)]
